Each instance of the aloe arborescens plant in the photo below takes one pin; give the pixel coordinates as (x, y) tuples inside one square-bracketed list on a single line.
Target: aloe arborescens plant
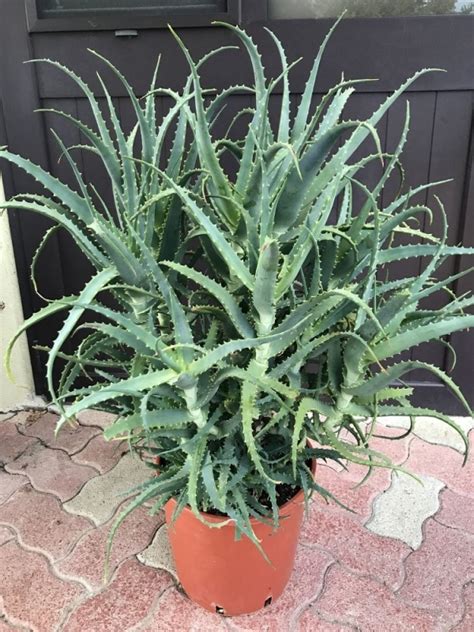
[(254, 319)]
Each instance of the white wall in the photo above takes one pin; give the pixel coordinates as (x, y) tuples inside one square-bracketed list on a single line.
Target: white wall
[(11, 317)]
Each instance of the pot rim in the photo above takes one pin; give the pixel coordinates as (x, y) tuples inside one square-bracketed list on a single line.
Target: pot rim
[(297, 498)]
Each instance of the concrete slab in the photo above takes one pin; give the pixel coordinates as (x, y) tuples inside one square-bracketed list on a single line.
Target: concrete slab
[(158, 554), (100, 496), (434, 430), (401, 511)]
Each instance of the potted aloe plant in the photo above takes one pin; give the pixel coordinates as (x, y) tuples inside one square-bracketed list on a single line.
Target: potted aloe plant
[(242, 323)]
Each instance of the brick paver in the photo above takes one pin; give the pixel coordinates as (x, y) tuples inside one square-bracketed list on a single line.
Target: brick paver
[(51, 471), (397, 451), (86, 562), (358, 499), (58, 499), (174, 613), (435, 431), (310, 621), (360, 550), (444, 464), (467, 622), (31, 595), (367, 604), (436, 573), (41, 524), (456, 511), (12, 443), (95, 418), (124, 603), (5, 535), (71, 438), (9, 483), (100, 454)]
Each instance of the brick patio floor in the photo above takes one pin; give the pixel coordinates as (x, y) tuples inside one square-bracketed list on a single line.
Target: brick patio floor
[(404, 560)]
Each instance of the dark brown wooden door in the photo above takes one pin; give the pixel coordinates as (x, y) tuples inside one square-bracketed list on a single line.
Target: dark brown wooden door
[(440, 146)]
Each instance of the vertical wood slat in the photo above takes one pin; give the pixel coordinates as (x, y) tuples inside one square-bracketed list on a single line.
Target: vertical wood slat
[(463, 372), (416, 154), (449, 156)]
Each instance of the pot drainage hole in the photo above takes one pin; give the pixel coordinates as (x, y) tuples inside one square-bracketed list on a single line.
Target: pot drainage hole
[(220, 610)]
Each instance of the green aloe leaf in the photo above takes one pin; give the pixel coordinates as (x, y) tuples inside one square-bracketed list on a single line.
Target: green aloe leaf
[(130, 386), (306, 406), (219, 292), (72, 200), (407, 340), (215, 235), (88, 294), (265, 285)]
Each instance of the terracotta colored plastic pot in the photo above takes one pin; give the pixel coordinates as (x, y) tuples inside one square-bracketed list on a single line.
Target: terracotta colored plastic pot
[(228, 576)]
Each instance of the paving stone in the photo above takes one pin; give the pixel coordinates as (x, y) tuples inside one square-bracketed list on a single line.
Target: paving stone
[(95, 418), (27, 416), (100, 497), (467, 622), (12, 443), (396, 450), (387, 441), (70, 438), (101, 454), (41, 524), (9, 483), (5, 535), (435, 431), (369, 606), (123, 604), (456, 511), (303, 588), (401, 511), (6, 627), (31, 595), (343, 488), (350, 543), (158, 554), (310, 621), (86, 562), (51, 471), (436, 573), (444, 464), (176, 613)]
